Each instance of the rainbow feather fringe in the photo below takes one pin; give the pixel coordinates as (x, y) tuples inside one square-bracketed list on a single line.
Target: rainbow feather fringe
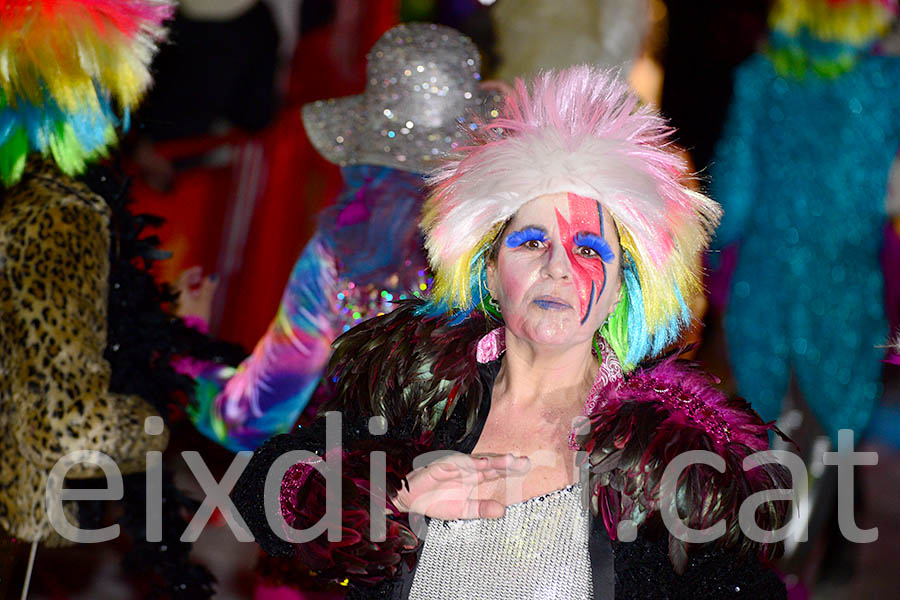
[(855, 22), (825, 37), (64, 64)]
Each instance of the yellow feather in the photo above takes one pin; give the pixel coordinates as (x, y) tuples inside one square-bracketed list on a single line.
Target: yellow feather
[(853, 22)]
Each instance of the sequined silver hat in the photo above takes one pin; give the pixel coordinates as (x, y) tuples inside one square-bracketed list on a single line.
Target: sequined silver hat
[(422, 90)]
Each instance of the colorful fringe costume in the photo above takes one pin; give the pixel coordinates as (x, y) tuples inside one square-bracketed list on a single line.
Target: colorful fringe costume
[(67, 66), (801, 171), (86, 342), (365, 255), (429, 367)]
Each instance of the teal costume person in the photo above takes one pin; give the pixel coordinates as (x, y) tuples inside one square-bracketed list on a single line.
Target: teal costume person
[(801, 172)]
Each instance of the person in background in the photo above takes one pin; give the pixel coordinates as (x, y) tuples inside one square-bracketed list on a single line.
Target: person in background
[(801, 170), (806, 203), (423, 87), (86, 336)]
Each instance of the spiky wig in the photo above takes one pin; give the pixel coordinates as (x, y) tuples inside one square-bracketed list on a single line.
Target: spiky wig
[(582, 131)]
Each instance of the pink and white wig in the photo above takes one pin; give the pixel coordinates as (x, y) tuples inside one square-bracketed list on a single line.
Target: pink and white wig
[(578, 131)]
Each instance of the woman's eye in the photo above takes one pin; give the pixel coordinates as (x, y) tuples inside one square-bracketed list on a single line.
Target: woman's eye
[(587, 252), (534, 244)]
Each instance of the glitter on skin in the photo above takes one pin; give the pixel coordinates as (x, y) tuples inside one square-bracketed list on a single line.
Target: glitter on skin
[(591, 304)]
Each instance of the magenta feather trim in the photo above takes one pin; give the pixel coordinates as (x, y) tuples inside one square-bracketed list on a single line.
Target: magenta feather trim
[(355, 557), (688, 395), (653, 417)]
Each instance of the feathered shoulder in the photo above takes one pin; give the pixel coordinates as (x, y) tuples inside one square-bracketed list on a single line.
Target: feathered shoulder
[(657, 414), (410, 368)]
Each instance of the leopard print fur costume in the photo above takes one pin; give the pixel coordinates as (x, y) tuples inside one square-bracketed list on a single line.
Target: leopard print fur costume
[(54, 396)]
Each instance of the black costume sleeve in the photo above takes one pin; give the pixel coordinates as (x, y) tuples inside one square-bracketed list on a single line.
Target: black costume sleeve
[(643, 570), (248, 493)]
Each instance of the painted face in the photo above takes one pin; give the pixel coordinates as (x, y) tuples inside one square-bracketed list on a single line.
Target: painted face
[(556, 276)]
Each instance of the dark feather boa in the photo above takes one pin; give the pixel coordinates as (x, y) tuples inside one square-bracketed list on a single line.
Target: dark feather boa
[(302, 501), (355, 557), (413, 370), (143, 333), (143, 337)]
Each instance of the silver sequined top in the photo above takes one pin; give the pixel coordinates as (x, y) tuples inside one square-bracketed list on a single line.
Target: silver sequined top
[(537, 550)]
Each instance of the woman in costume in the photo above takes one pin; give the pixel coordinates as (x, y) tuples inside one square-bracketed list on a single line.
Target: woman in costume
[(563, 242), (366, 252)]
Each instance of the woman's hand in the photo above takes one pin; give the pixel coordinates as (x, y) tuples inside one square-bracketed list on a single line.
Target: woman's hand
[(448, 488)]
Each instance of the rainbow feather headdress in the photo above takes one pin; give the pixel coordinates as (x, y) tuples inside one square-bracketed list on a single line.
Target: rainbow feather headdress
[(66, 67), (825, 37), (582, 131)]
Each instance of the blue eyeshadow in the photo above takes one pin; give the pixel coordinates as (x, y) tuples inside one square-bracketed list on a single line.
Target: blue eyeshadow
[(529, 234), (597, 244)]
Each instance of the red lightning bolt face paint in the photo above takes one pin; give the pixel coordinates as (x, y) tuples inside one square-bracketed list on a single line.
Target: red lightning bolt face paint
[(549, 276), (588, 267)]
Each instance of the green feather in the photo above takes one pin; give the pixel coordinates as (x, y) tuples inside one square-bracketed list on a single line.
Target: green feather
[(615, 330), (12, 157)]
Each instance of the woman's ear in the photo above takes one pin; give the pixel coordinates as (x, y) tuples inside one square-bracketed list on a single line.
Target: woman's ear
[(490, 272), (619, 298)]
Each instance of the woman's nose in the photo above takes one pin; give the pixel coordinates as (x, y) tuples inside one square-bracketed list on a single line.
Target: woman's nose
[(558, 265)]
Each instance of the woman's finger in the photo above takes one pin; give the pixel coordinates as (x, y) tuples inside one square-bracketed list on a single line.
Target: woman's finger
[(485, 509), (509, 463), (444, 471)]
